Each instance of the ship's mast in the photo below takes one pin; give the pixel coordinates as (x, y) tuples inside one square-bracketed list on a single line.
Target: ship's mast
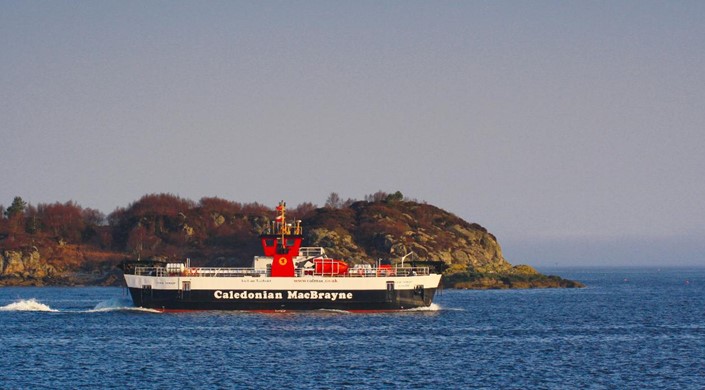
[(281, 244)]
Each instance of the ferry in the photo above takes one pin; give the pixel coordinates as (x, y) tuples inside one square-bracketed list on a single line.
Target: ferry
[(287, 277)]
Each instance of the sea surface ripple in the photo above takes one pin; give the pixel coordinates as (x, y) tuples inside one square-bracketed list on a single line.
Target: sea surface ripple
[(630, 328)]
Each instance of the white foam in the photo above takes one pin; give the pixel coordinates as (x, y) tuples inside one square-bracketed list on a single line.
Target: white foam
[(432, 307), (335, 311), (113, 304), (119, 304), (27, 305), (437, 307)]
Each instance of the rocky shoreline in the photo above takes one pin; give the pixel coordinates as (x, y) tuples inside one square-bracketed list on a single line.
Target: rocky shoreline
[(475, 282), (76, 280), (29, 270), (482, 281)]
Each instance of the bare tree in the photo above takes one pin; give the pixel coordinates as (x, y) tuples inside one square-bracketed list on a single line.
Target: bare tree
[(334, 201)]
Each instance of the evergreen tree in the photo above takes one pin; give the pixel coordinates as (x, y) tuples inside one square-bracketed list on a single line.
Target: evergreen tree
[(395, 197), (17, 207)]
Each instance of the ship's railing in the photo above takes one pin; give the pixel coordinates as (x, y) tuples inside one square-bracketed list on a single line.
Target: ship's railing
[(311, 251), (150, 271), (355, 272), (411, 271), (200, 271), (391, 271), (368, 272), (226, 271)]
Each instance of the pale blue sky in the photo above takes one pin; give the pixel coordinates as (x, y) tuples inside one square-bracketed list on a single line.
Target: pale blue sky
[(571, 130)]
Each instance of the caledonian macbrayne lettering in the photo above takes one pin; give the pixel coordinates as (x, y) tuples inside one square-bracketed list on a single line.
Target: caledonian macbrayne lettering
[(331, 296)]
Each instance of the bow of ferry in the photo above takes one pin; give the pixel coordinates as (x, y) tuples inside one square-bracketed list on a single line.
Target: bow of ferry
[(287, 277)]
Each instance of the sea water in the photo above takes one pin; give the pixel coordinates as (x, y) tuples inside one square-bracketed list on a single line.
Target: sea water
[(629, 329)]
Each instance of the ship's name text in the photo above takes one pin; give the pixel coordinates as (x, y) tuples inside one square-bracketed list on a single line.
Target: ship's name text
[(330, 296)]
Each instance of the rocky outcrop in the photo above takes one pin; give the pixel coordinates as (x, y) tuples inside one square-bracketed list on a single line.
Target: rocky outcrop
[(521, 276), (471, 255), (25, 267), (338, 244), (62, 265), (368, 231)]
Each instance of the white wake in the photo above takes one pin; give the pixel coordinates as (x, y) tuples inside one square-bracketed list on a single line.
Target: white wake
[(27, 305), (432, 307), (114, 304), (118, 304)]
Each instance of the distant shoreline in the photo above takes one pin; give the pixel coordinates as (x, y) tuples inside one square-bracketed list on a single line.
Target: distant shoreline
[(548, 277), (479, 282)]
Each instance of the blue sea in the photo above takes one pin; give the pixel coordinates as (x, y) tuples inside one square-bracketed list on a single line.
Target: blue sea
[(629, 329)]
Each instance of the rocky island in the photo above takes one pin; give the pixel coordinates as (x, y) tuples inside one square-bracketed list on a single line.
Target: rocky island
[(65, 244)]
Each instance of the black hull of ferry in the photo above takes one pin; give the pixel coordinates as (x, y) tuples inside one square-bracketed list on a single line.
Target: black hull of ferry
[(175, 300)]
